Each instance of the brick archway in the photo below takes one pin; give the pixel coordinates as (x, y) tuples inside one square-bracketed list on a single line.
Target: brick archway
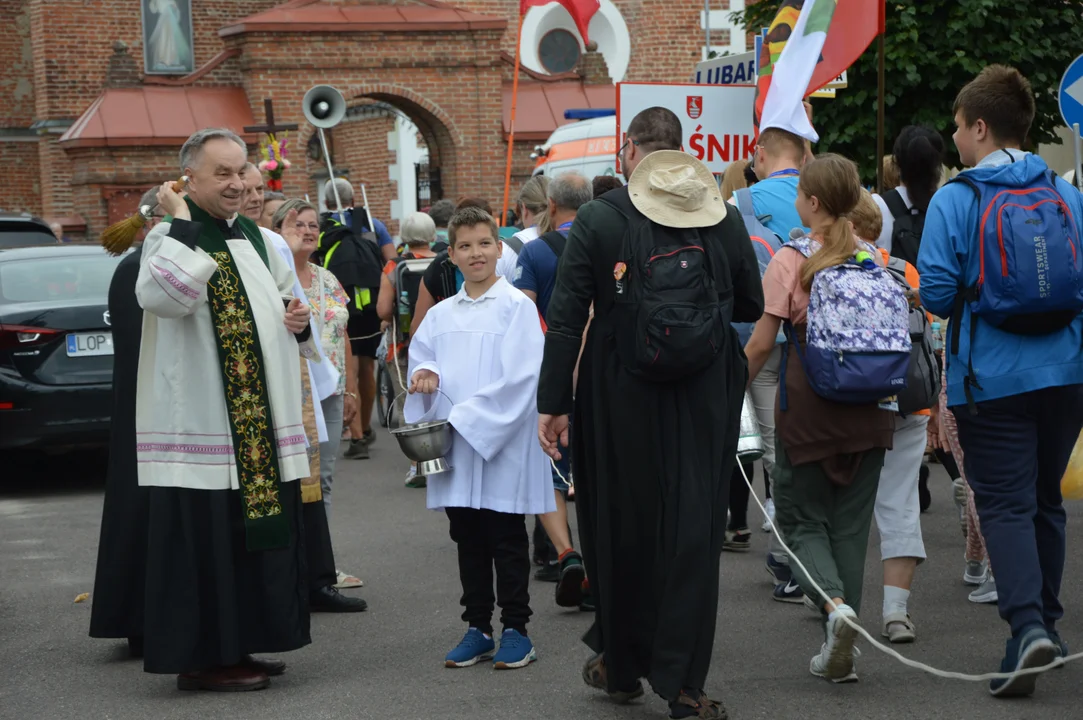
[(441, 134), (438, 65)]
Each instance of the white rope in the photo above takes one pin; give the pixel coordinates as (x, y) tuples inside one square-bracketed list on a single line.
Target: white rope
[(884, 648)]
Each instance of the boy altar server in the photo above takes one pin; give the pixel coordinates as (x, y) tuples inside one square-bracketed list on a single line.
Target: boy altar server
[(475, 360)]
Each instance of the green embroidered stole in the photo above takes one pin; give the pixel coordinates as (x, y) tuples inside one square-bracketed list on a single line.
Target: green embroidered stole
[(251, 422)]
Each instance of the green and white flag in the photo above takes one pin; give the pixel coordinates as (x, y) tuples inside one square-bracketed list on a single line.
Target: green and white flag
[(790, 77)]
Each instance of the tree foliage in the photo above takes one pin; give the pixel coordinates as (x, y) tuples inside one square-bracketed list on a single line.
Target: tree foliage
[(932, 49)]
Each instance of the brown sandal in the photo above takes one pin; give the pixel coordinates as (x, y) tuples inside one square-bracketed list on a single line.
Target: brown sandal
[(594, 676), (702, 707)]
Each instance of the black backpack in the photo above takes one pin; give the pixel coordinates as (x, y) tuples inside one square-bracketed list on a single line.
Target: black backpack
[(909, 223), (923, 375), (353, 258), (672, 312)]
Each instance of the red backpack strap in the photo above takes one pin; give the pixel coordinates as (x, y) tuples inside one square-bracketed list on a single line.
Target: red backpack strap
[(761, 241), (544, 326)]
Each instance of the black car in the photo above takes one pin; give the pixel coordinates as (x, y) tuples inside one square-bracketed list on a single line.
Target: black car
[(24, 230), (56, 348)]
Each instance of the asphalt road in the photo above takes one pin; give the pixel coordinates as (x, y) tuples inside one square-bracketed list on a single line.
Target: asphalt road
[(387, 662)]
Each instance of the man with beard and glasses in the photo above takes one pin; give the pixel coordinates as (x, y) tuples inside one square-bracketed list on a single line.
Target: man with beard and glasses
[(656, 415)]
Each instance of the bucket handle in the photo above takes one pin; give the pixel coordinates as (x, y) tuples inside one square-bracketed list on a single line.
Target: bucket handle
[(391, 408)]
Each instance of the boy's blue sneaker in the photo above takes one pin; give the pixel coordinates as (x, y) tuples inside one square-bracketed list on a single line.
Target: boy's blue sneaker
[(473, 648), (779, 571), (1062, 647), (516, 651), (1032, 649)]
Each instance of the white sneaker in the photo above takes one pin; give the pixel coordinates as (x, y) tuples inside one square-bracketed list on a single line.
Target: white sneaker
[(835, 661), (770, 505)]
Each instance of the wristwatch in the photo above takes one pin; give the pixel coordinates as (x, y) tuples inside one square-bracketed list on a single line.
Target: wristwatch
[(353, 395)]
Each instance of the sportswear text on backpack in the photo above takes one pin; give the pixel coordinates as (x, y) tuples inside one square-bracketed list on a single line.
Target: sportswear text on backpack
[(1030, 280), (923, 374), (672, 312), (858, 339), (908, 226)]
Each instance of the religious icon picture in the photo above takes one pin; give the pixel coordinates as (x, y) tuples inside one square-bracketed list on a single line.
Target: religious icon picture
[(167, 37)]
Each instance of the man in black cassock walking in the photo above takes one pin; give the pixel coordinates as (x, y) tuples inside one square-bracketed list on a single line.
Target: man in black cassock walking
[(117, 611), (655, 432)]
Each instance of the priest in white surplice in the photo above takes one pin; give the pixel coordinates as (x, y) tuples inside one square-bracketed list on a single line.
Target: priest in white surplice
[(220, 441)]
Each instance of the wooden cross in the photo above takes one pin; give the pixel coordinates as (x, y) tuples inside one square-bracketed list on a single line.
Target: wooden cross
[(269, 126)]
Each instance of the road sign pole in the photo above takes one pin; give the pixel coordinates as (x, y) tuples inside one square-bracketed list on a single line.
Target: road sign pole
[(1078, 156)]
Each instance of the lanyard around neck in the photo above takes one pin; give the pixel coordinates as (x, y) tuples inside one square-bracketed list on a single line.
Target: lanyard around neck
[(784, 173)]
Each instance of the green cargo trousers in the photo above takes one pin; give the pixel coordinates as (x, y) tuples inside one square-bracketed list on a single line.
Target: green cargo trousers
[(826, 525)]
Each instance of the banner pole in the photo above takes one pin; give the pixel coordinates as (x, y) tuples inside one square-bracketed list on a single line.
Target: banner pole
[(511, 125), (880, 118)]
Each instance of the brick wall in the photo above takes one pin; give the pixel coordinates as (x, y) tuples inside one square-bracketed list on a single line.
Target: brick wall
[(101, 175), (54, 169), (448, 84), (17, 60), (20, 183), (73, 39), (666, 37), (361, 146)]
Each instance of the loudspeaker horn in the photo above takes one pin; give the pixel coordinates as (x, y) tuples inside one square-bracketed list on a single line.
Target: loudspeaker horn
[(324, 106)]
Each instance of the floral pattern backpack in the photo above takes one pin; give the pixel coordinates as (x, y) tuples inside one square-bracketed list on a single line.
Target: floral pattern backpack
[(858, 336)]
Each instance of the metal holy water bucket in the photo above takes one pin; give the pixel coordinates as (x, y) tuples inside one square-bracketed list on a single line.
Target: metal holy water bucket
[(749, 442), (426, 443)]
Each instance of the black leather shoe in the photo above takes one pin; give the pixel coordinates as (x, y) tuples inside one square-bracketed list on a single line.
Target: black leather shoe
[(329, 599), (268, 666), (135, 646)]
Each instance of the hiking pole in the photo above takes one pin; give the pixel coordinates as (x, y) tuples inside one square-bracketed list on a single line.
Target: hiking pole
[(368, 213)]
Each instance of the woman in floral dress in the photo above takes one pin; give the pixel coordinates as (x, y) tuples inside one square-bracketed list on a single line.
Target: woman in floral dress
[(329, 309)]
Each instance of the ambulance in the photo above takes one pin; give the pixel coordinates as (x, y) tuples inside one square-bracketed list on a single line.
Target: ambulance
[(588, 146)]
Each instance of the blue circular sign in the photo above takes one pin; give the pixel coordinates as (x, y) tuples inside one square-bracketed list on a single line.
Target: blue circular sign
[(1070, 95)]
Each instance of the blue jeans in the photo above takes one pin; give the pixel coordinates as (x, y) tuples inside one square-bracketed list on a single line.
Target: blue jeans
[(1017, 449), (332, 417)]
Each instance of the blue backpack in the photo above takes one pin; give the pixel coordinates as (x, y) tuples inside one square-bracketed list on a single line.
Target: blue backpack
[(764, 241), (1030, 280), (858, 339)]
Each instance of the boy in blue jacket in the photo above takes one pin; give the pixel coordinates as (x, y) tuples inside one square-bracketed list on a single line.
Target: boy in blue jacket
[(1015, 384)]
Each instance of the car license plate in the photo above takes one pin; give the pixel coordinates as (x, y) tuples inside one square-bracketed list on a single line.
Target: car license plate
[(89, 344)]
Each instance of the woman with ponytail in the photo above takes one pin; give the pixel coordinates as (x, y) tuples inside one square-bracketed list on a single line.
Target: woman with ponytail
[(828, 455), (919, 157)]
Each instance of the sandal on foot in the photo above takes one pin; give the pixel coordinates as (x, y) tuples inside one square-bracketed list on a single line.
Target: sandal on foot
[(696, 704), (594, 676), (345, 581), (899, 629)]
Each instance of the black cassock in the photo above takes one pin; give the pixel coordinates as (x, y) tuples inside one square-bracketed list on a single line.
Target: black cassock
[(652, 463), (117, 610), (209, 600)]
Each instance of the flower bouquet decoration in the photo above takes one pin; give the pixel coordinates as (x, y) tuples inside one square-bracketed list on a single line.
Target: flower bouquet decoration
[(273, 160)]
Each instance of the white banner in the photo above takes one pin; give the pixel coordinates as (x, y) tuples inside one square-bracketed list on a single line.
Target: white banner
[(716, 119)]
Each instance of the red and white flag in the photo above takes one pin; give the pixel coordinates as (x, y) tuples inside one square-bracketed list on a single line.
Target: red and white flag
[(580, 10)]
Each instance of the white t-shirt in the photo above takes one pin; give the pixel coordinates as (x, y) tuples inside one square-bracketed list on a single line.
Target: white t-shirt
[(505, 266), (884, 241)]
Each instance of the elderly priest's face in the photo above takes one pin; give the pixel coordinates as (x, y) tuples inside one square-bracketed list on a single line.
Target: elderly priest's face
[(216, 180)]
